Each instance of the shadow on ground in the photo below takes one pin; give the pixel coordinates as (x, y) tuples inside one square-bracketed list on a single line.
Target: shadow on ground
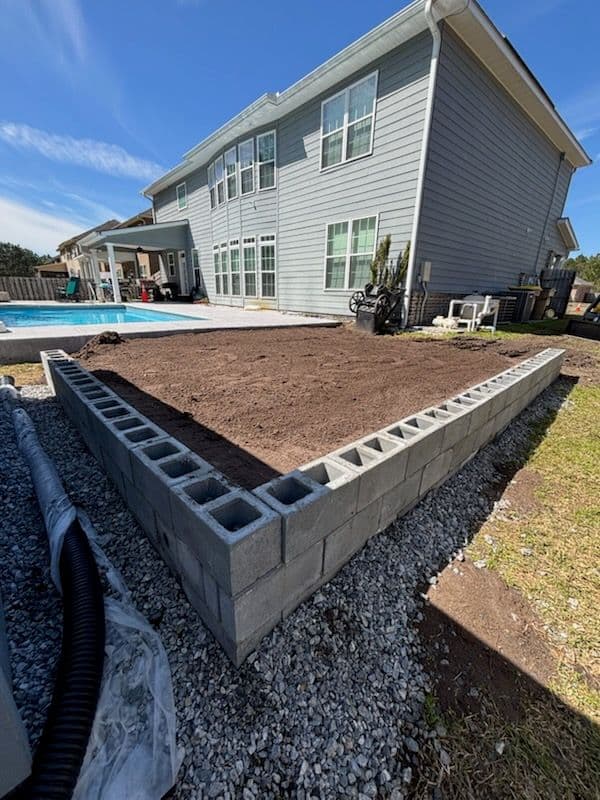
[(236, 463)]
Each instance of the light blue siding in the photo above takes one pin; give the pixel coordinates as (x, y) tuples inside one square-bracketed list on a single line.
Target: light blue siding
[(489, 183), (305, 199)]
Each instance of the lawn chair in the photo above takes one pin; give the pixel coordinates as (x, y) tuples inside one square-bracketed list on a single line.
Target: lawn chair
[(473, 312), (70, 291)]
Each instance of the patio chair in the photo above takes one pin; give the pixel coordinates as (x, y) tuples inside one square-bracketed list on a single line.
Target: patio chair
[(70, 291), (473, 312)]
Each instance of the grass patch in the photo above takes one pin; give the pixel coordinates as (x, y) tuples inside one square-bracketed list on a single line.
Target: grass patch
[(24, 374), (549, 553)]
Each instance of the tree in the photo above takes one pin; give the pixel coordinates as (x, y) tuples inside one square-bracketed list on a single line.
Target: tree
[(17, 260), (586, 267)]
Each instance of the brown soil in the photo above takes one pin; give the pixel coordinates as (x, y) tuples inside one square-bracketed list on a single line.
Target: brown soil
[(483, 639), (259, 403)]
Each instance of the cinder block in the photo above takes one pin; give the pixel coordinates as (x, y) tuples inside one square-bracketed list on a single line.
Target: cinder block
[(436, 472), (166, 543), (189, 568), (453, 418), (118, 439), (50, 360), (399, 499), (159, 466), (309, 510), (423, 437), (348, 539), (479, 410), (236, 536), (341, 482), (141, 509), (303, 577), (211, 595)]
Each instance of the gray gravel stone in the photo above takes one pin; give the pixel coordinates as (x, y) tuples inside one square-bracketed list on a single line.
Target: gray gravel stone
[(332, 702)]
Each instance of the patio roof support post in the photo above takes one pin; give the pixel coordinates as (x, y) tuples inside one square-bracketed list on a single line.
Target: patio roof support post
[(96, 276), (110, 249)]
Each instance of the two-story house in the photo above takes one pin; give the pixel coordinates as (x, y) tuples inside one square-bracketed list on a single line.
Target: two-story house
[(430, 128)]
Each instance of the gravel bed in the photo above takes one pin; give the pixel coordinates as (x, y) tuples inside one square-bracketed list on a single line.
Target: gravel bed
[(332, 702)]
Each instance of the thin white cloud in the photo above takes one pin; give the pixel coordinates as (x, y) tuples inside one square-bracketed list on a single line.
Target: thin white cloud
[(37, 230), (585, 133), (101, 156), (582, 110)]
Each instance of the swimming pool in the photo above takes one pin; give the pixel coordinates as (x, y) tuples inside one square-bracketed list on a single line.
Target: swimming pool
[(36, 316)]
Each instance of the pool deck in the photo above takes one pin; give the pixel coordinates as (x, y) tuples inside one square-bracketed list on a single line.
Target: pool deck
[(24, 344)]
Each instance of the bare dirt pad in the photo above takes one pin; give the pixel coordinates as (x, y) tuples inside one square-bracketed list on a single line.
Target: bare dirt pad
[(259, 403), (483, 638)]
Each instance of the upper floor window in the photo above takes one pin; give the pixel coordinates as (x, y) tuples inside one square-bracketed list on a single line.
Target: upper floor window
[(219, 176), (246, 154), (265, 145), (231, 172), (181, 196), (347, 123), (211, 185)]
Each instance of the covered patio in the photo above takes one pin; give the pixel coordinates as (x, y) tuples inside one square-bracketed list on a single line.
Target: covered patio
[(168, 240)]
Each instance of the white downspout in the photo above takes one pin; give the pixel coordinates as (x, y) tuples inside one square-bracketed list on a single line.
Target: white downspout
[(435, 53)]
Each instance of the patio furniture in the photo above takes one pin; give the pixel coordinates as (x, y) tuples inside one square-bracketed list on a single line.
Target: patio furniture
[(473, 312), (70, 291)]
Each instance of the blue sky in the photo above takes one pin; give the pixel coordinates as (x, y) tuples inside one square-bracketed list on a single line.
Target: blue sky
[(98, 97)]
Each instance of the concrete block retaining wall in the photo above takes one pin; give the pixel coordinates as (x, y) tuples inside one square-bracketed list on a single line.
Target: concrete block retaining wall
[(246, 559)]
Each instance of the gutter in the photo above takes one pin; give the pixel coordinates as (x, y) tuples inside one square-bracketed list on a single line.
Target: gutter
[(435, 54)]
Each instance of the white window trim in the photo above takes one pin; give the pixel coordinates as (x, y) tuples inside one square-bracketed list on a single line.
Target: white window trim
[(211, 169), (217, 273), (249, 243), (346, 124), (217, 182), (350, 222), (234, 244), (177, 188), (246, 169), (258, 162), (170, 264), (266, 239), (236, 173)]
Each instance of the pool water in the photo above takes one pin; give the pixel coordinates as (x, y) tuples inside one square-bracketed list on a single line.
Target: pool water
[(34, 316)]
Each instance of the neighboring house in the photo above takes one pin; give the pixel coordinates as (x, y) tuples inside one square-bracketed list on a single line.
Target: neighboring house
[(431, 130), (130, 263), (53, 269), (582, 291), (71, 251)]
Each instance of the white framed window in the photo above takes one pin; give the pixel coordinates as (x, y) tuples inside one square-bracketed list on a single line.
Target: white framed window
[(349, 252), (249, 256), (246, 156), (266, 156), (234, 266), (217, 269), (181, 191), (224, 268), (231, 172), (196, 268), (348, 123), (171, 264), (267, 261), (220, 180), (212, 191)]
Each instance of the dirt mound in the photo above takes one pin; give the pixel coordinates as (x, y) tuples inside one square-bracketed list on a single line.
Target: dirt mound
[(96, 344)]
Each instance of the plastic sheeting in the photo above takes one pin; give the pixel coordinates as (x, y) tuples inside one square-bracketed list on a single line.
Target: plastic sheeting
[(132, 751)]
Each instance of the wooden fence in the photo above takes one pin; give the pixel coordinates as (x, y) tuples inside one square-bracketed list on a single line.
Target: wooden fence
[(37, 288)]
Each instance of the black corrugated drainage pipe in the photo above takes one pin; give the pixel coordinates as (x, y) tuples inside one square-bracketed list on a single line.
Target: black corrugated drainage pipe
[(60, 753), (64, 741)]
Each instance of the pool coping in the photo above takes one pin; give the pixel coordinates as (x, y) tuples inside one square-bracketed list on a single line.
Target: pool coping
[(25, 343)]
